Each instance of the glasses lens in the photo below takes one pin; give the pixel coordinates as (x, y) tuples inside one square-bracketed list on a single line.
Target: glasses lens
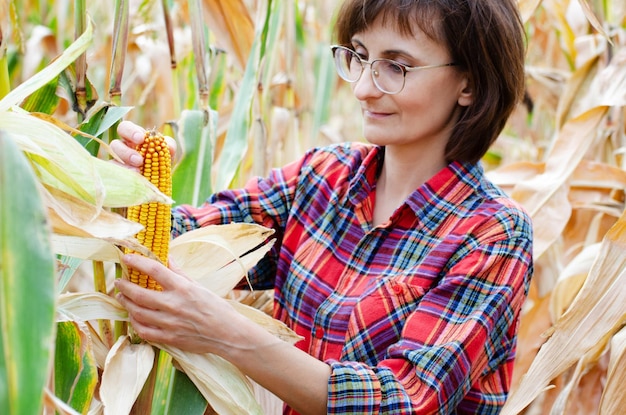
[(348, 64), (388, 76)]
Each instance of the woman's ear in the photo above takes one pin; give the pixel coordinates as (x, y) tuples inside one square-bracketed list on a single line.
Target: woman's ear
[(466, 96)]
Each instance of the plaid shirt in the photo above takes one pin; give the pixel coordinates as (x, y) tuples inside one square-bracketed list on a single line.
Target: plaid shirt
[(418, 315)]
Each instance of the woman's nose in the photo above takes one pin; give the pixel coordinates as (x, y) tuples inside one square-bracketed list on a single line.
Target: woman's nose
[(365, 87)]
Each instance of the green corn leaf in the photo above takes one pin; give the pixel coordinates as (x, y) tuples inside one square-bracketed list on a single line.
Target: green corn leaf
[(191, 179), (76, 374), (27, 286), (49, 72)]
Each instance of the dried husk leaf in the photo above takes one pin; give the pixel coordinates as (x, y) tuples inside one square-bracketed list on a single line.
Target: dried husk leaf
[(94, 249), (276, 327), (70, 215), (212, 255), (126, 369), (594, 316), (613, 398), (88, 306)]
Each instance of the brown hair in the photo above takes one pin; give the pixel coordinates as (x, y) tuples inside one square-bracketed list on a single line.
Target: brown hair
[(485, 39)]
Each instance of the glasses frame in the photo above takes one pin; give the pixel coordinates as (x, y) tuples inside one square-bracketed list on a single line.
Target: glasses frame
[(375, 74)]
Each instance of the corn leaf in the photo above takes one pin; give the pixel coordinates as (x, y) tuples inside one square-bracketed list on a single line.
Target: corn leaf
[(232, 25), (50, 72), (236, 142), (87, 306), (76, 374), (214, 255), (27, 286), (186, 399), (64, 164), (544, 195), (614, 399), (191, 177), (126, 369), (226, 389), (586, 327), (571, 280)]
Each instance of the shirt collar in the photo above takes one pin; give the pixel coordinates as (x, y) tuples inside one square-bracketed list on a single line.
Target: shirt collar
[(451, 185)]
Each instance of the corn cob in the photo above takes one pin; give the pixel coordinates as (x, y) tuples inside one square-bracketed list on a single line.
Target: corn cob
[(155, 217)]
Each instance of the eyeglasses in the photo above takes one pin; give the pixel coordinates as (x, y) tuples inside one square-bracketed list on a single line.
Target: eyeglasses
[(388, 75)]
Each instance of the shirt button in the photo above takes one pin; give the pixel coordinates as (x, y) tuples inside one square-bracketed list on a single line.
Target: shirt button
[(397, 288), (319, 333)]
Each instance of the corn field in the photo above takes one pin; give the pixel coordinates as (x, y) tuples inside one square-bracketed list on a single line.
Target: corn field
[(243, 86)]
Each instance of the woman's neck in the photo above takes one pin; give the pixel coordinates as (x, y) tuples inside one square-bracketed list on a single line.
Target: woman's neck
[(401, 175)]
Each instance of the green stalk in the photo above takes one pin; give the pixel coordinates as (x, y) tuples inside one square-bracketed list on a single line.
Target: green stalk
[(118, 51), (5, 84), (80, 21), (199, 50), (119, 46), (169, 30), (100, 286)]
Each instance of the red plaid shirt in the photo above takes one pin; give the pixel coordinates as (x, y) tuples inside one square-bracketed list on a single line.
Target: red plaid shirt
[(418, 315)]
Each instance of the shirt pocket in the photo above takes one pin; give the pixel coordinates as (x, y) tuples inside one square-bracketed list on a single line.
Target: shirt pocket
[(378, 317)]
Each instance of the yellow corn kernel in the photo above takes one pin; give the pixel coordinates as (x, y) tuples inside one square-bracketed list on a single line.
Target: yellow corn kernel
[(155, 217)]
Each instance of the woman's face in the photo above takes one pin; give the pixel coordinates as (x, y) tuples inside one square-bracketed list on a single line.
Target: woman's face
[(421, 116)]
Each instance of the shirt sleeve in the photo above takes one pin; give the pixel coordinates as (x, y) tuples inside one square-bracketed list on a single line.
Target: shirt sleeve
[(265, 201), (456, 349)]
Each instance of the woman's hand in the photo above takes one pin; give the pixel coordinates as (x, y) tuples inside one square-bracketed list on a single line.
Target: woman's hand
[(184, 315), (188, 316), (132, 135)]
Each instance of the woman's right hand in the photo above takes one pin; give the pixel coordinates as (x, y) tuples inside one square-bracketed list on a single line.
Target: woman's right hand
[(132, 135)]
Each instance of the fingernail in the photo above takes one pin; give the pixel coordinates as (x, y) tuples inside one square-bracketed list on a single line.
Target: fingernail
[(136, 160)]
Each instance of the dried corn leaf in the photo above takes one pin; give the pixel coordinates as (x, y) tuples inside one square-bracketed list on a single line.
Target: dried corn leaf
[(214, 255), (534, 322), (94, 249), (545, 196), (527, 8), (232, 25), (571, 280), (126, 369), (89, 306), (594, 316), (276, 327), (579, 396), (70, 215), (613, 398)]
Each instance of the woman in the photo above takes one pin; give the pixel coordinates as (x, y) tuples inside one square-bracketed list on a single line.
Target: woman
[(400, 264)]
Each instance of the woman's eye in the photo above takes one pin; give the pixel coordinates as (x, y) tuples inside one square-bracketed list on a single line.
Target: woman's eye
[(391, 67)]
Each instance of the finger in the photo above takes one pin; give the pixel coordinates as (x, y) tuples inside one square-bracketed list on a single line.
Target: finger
[(128, 155), (131, 132), (167, 278), (131, 295), (171, 145)]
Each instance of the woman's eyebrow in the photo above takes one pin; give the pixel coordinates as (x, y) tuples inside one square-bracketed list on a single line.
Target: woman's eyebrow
[(388, 53)]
